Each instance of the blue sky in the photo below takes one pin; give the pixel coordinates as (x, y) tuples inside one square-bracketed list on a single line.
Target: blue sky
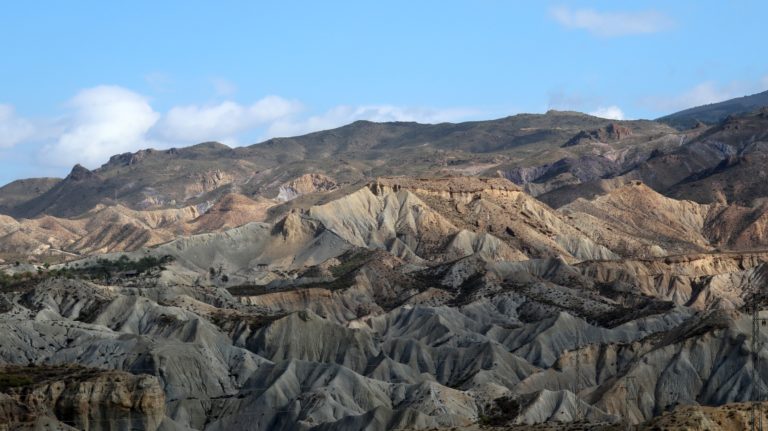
[(85, 80)]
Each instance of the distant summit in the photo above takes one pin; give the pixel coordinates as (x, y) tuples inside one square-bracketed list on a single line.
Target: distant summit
[(715, 112), (80, 173)]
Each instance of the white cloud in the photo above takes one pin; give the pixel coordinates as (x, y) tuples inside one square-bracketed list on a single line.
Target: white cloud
[(106, 120), (342, 115), (223, 121), (13, 129), (610, 112), (705, 93), (610, 24)]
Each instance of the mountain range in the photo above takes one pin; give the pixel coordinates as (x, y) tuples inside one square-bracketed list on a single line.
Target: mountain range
[(539, 271)]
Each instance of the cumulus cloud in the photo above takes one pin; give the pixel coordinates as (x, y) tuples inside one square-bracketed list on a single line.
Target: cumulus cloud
[(104, 120), (705, 93), (610, 112), (223, 121), (13, 129), (342, 115), (611, 24)]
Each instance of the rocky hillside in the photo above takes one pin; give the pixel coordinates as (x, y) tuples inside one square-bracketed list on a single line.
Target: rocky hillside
[(117, 228), (361, 151), (72, 398), (557, 156), (402, 303), (20, 191), (716, 112), (717, 164)]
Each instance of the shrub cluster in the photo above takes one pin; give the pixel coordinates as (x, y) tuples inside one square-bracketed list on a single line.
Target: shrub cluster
[(105, 269), (101, 270)]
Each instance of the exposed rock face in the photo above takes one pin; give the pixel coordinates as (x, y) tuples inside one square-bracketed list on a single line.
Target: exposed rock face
[(499, 208), (611, 132), (117, 228), (386, 218), (719, 164), (203, 182), (729, 417), (85, 399), (308, 183), (637, 221), (232, 210), (80, 173)]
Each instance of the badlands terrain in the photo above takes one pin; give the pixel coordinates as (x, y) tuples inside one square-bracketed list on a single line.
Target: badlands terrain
[(553, 271)]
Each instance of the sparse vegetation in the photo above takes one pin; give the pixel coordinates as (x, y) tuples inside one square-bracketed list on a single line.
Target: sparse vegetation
[(351, 261), (106, 269), (16, 376), (228, 321), (101, 270), (9, 380), (503, 411)]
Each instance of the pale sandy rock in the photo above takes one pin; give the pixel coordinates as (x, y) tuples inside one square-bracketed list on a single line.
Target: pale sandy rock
[(305, 184)]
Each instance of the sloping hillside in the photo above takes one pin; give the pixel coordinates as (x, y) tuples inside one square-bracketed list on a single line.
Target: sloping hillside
[(716, 112), (151, 179)]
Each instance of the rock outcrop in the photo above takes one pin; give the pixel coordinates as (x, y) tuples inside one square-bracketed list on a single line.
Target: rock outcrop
[(611, 132), (115, 228), (79, 398), (305, 184)]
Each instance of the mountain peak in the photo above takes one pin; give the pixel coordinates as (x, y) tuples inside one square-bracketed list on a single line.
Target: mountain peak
[(79, 173), (555, 112), (210, 145)]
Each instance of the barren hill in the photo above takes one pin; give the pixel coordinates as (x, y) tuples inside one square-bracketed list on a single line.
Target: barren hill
[(716, 112), (717, 164), (106, 229)]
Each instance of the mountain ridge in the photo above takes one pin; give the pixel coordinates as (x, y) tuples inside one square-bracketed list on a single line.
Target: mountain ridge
[(362, 150), (713, 113)]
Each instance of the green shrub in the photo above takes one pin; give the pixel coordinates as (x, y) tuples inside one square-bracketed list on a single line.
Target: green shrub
[(14, 380)]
